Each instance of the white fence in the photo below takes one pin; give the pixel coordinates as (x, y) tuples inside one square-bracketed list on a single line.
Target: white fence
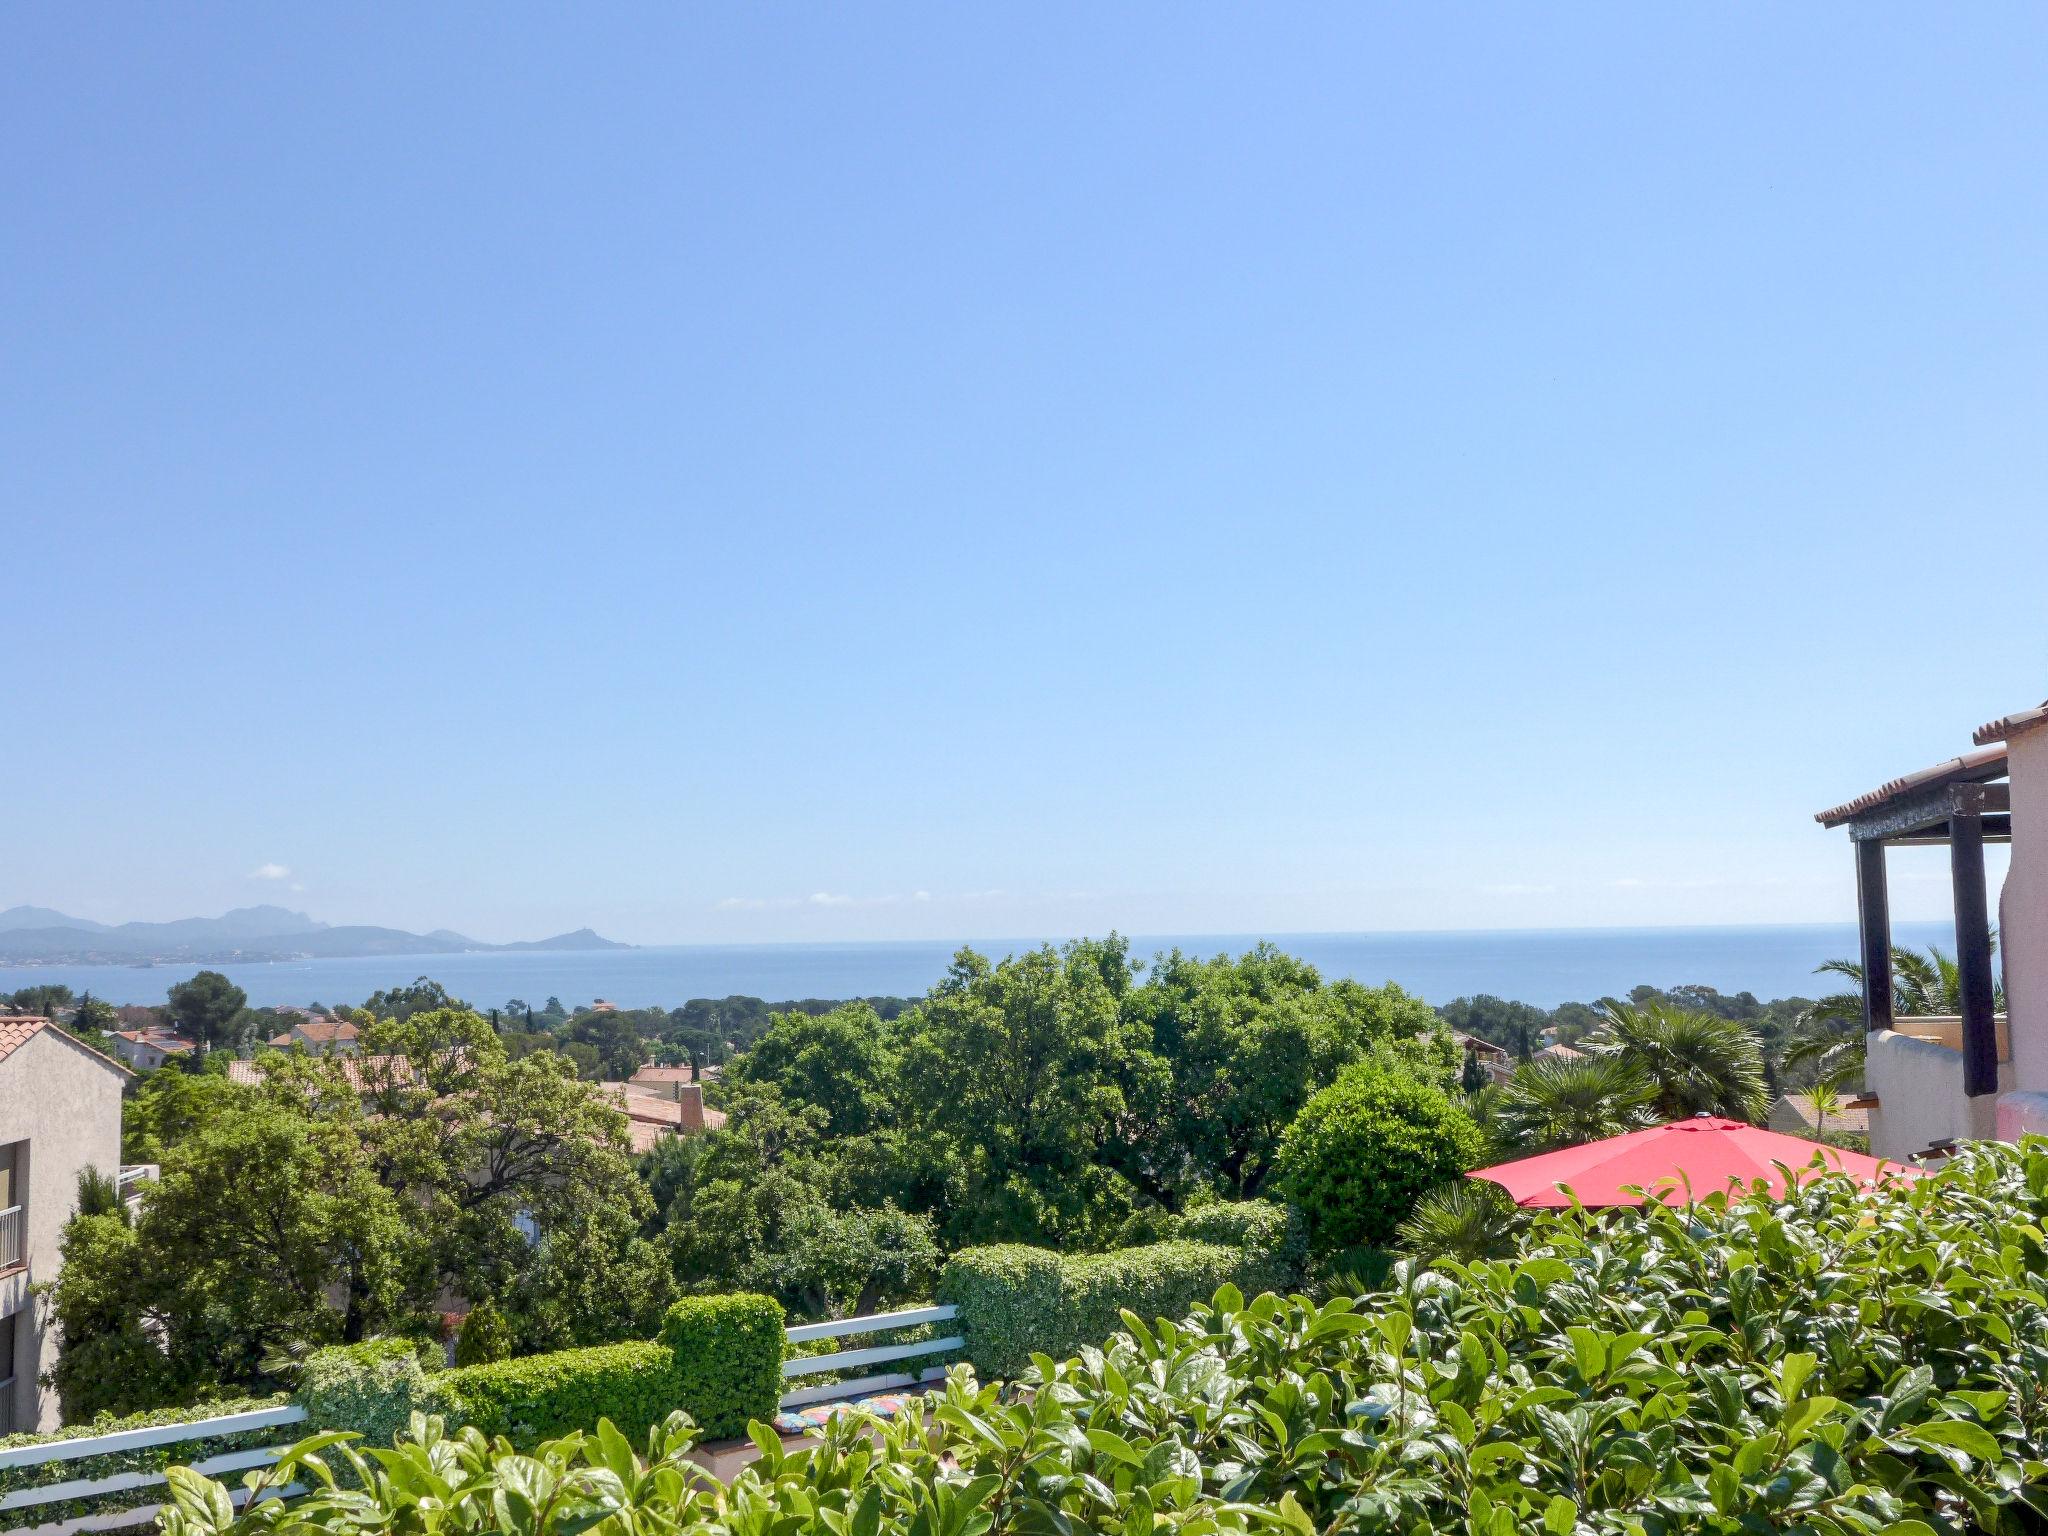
[(17, 1508), (879, 1322)]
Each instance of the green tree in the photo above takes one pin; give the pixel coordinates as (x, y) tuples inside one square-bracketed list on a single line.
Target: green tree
[(1223, 1054), (1367, 1148), (1011, 1093), (110, 1315), (1564, 1103), (841, 1062), (205, 1008), (1700, 1063)]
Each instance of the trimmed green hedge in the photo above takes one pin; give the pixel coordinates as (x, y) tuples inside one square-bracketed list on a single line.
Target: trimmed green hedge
[(148, 1458), (634, 1385), (1271, 1235), (728, 1353), (372, 1387), (1017, 1301)]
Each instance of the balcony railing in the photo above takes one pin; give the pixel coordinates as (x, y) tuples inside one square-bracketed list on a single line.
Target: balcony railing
[(13, 1237)]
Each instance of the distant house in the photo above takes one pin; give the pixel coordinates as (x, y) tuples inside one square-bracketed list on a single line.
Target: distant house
[(319, 1037), (1556, 1052), (147, 1049), (60, 1113), (655, 1112), (365, 1074), (1496, 1061), (1794, 1114), (601, 1006)]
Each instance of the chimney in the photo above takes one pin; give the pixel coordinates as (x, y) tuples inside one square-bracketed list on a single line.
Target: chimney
[(691, 1097)]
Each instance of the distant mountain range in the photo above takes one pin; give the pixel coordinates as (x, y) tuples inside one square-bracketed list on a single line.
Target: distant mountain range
[(40, 936)]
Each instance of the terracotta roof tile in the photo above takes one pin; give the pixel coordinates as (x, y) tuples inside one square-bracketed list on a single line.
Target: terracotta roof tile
[(1971, 768), (2007, 726), (17, 1029)]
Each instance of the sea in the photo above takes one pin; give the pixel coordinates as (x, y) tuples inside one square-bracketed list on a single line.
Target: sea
[(1541, 966)]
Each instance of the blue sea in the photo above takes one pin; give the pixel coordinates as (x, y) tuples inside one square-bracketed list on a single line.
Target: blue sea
[(1541, 966)]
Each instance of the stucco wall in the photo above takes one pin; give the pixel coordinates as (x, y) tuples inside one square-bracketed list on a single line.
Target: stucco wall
[(1919, 1089), (2023, 910), (65, 1102)]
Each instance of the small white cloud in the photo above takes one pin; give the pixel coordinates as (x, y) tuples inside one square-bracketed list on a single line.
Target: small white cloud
[(828, 899), (271, 872), (741, 904), (920, 895), (1629, 883), (1517, 890)]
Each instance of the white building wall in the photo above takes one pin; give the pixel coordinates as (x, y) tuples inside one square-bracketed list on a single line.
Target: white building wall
[(2023, 911), (65, 1102), (1919, 1090)]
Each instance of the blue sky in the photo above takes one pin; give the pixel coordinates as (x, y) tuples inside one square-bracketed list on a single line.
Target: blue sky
[(780, 472)]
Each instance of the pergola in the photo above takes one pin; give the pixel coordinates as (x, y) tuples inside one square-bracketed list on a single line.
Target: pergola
[(1956, 804)]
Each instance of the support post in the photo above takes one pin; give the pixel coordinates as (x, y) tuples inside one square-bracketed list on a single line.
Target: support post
[(1874, 922), (1973, 954)]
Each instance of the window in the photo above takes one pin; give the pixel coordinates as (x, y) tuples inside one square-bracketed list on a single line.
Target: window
[(13, 1229)]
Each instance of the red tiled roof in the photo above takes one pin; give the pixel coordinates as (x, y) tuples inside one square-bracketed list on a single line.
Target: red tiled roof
[(662, 1075), (1971, 768), (365, 1074), (16, 1030), (2008, 726)]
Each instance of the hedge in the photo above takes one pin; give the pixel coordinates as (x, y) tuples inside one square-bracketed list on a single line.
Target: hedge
[(728, 1353), (372, 1387), (636, 1386), (1017, 1301), (1266, 1230), (148, 1458)]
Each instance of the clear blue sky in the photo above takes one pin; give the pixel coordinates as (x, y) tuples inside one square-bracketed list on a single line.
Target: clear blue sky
[(748, 472)]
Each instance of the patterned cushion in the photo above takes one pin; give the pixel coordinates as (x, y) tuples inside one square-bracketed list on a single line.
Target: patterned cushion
[(813, 1417)]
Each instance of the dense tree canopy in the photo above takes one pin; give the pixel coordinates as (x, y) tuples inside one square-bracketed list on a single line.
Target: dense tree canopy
[(1064, 1096), (315, 1207)]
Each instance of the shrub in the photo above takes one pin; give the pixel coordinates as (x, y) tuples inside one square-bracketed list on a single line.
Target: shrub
[(633, 1385), (148, 1458), (1010, 1304), (485, 1336), (1366, 1148), (372, 1387), (1269, 1233), (1017, 1301), (1839, 1363), (727, 1359)]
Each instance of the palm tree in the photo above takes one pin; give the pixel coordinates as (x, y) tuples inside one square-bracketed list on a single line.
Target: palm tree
[(1467, 1220), (1701, 1063), (1563, 1103), (1831, 1035)]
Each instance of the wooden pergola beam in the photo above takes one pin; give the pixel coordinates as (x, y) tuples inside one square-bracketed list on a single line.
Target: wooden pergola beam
[(1925, 816)]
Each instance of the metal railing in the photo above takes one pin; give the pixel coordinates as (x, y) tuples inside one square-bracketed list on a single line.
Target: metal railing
[(13, 1237)]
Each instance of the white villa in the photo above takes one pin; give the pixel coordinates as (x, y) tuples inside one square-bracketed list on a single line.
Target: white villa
[(1933, 1081)]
